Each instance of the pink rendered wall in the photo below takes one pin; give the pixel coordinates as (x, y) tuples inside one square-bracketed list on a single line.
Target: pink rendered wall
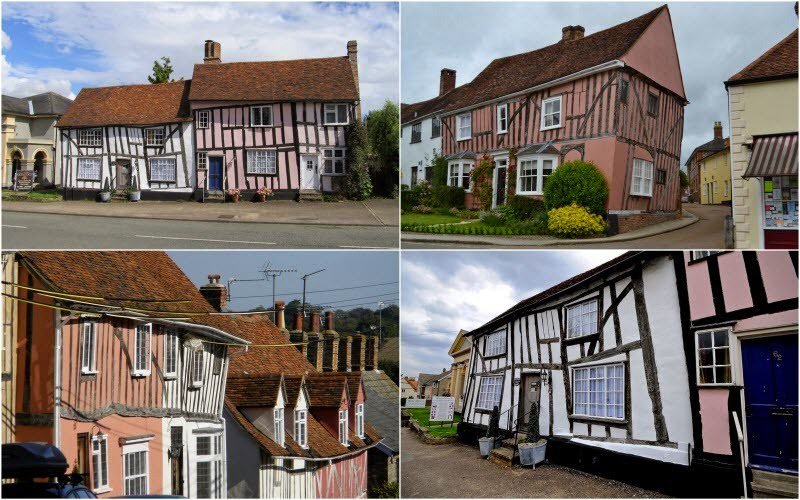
[(714, 420), (701, 301), (346, 478), (733, 277), (116, 427), (656, 56), (783, 318), (777, 272)]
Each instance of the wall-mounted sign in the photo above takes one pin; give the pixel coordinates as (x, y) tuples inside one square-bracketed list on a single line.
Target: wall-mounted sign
[(415, 403), (442, 409)]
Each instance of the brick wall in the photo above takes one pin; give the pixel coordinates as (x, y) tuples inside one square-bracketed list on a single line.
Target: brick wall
[(623, 223)]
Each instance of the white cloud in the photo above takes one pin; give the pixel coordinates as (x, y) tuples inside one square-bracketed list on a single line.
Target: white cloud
[(107, 48), (6, 41)]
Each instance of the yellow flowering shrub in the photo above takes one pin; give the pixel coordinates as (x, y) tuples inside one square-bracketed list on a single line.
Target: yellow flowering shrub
[(574, 221)]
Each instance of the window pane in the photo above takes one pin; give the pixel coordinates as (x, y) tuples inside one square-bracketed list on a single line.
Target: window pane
[(706, 375), (704, 339), (720, 338), (723, 375), (722, 356), (706, 358)]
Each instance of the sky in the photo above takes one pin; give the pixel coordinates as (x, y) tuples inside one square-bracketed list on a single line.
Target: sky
[(64, 46), (343, 269), (715, 40), (445, 291)]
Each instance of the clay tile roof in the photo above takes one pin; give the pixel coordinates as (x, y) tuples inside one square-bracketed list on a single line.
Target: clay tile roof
[(412, 382), (325, 389), (354, 381), (149, 104), (324, 79), (271, 447), (713, 146), (780, 61), (253, 391), (411, 112), (322, 442), (293, 385)]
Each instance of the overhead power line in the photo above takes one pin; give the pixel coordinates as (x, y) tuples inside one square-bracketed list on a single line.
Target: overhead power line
[(300, 293)]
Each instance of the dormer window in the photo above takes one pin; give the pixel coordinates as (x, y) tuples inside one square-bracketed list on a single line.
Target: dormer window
[(261, 116), (344, 439), (141, 350), (335, 114), (301, 428), (277, 415), (360, 420), (197, 368), (154, 136)]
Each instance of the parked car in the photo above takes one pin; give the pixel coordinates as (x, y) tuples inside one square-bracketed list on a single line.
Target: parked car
[(27, 462)]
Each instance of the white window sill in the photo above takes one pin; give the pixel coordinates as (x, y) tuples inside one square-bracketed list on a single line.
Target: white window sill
[(170, 376), (261, 173), (261, 126), (501, 132), (88, 372), (552, 127), (530, 193), (102, 489), (151, 145), (726, 384), (196, 385), (644, 195), (335, 124), (143, 373), (464, 138)]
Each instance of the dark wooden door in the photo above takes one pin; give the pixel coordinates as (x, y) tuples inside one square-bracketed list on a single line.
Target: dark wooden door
[(500, 197), (123, 174), (531, 389), (176, 459)]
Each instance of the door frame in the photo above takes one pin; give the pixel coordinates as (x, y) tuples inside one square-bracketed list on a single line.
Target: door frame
[(118, 162), (738, 369), (523, 390), (494, 178), (210, 155), (316, 156)]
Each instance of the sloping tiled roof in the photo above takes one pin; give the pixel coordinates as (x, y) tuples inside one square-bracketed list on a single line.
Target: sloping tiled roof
[(390, 350), (780, 61), (290, 448), (410, 112), (325, 389), (712, 146), (253, 391), (48, 103), (324, 79), (382, 411), (428, 378), (149, 104), (412, 382)]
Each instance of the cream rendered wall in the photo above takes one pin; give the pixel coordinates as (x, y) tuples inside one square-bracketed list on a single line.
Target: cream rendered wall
[(755, 109), (715, 170)]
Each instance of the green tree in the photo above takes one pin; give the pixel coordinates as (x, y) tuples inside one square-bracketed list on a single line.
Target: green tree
[(357, 182), (161, 71), (383, 130), (684, 179), (439, 174)]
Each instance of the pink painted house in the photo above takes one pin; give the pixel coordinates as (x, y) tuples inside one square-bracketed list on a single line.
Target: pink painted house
[(741, 348), (278, 125)]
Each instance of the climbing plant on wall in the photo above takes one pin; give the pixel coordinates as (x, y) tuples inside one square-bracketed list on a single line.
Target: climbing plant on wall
[(482, 182)]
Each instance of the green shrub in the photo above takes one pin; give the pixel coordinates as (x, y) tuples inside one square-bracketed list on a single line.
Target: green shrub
[(494, 218), (422, 209), (524, 207), (448, 197), (357, 183), (574, 221), (418, 195), (579, 182), (438, 170)]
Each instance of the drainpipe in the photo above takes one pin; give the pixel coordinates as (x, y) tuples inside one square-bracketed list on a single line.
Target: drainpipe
[(57, 380)]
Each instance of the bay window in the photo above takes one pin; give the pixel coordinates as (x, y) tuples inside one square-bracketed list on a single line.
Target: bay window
[(533, 171), (489, 393), (599, 391), (464, 126), (582, 319), (262, 161), (551, 113), (458, 174), (642, 178)]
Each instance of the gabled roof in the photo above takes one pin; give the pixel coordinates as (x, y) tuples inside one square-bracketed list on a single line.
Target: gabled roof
[(412, 112), (326, 389), (381, 411), (47, 103), (323, 79), (428, 378), (148, 104), (456, 342), (780, 61), (411, 381), (712, 146), (255, 391)]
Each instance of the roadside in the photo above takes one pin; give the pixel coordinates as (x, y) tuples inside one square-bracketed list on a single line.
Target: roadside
[(457, 471), (702, 226), (372, 212)]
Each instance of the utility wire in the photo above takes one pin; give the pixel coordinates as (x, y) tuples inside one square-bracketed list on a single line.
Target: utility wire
[(315, 291)]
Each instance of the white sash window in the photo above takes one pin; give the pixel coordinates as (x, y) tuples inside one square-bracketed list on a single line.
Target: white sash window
[(141, 349), (335, 114), (495, 344), (344, 438), (171, 351), (277, 418), (301, 428), (99, 462), (135, 471), (197, 368), (360, 420), (464, 126), (551, 113), (261, 116), (89, 347), (262, 161), (582, 319), (154, 136), (489, 392), (502, 118), (642, 179), (599, 391), (202, 119)]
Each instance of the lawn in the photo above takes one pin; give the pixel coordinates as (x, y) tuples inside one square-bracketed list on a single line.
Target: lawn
[(31, 195), (428, 219), (437, 429)]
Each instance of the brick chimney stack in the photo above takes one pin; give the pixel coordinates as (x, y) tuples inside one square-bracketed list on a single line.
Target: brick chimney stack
[(569, 33), (329, 321), (298, 321), (315, 321), (352, 55), (280, 321), (447, 80), (298, 335), (213, 52), (717, 130), (330, 350), (214, 292)]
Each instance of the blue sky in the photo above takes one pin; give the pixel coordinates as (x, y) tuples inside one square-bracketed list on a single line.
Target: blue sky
[(343, 269), (65, 46), (715, 40), (445, 291)]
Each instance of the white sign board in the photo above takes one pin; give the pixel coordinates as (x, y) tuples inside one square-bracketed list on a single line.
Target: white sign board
[(415, 403), (442, 409)]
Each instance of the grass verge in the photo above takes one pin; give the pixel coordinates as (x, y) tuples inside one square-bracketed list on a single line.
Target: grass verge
[(436, 429)]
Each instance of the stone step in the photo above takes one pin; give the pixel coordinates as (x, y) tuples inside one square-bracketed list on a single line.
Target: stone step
[(773, 485), (504, 457), (214, 196), (310, 195), (508, 443)]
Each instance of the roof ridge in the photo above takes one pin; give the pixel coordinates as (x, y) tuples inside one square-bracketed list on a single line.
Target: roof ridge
[(763, 56), (182, 81), (272, 61)]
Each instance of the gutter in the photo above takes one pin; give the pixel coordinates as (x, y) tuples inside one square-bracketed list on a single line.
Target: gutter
[(616, 63), (337, 457), (214, 332)]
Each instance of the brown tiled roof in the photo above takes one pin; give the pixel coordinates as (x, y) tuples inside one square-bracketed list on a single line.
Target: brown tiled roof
[(410, 112), (148, 104), (412, 382), (780, 61), (293, 385), (291, 447), (325, 389), (253, 391), (353, 384), (322, 442), (325, 79), (550, 292)]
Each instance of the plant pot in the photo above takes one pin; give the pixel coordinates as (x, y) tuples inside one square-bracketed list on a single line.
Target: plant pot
[(486, 445), (262, 197), (532, 453), (234, 198), (105, 196), (135, 195)]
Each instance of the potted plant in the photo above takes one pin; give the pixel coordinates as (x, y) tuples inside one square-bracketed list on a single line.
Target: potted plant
[(105, 193), (264, 193), (532, 449), (489, 442), (233, 194), (134, 194)]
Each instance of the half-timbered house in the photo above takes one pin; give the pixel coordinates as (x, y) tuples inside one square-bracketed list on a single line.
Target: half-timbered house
[(273, 124), (121, 366), (128, 137), (304, 435), (614, 97)]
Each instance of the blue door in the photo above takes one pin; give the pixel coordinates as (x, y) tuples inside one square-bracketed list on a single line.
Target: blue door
[(214, 173), (770, 389)]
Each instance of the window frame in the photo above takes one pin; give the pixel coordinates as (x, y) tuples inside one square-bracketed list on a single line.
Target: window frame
[(214, 458), (459, 174), (488, 339), (173, 170), (336, 105), (301, 428), (731, 373), (660, 176), (171, 341), (623, 391), (539, 160), (78, 175), (278, 425), (154, 130), (436, 127), (344, 428), (136, 369), (700, 255), (580, 304), (459, 127), (260, 110), (360, 420), (196, 369), (624, 90), (89, 366), (101, 455), (652, 97), (502, 118), (203, 113), (641, 192), (269, 171), (334, 159), (546, 101), (96, 136), (202, 160), (135, 449), (416, 133), (499, 402)]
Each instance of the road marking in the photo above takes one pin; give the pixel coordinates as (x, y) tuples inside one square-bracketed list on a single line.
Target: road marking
[(375, 248), (203, 239), (17, 227)]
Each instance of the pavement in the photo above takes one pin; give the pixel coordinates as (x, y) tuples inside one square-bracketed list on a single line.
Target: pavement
[(700, 227), (23, 231), (373, 212), (458, 471)]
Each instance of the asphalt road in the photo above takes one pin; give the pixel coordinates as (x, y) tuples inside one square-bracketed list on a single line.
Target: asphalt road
[(23, 231), (705, 233)]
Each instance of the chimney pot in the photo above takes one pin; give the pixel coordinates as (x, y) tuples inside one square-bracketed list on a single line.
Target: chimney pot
[(298, 321), (569, 33), (213, 52), (717, 130), (315, 321), (447, 80), (214, 292), (329, 320), (279, 308)]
